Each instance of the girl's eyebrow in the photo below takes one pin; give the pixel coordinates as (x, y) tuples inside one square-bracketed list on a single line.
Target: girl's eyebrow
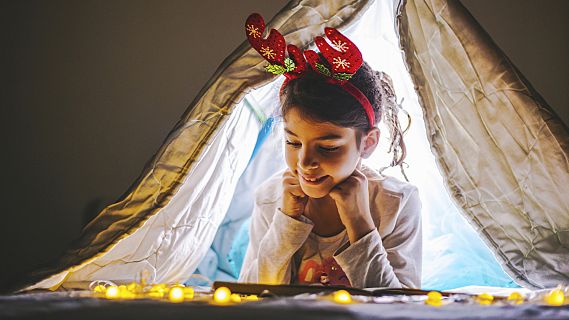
[(326, 137)]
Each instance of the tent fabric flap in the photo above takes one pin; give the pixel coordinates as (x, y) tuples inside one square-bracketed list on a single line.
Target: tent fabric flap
[(501, 149)]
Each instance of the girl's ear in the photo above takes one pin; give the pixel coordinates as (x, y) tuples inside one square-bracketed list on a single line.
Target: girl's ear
[(369, 142)]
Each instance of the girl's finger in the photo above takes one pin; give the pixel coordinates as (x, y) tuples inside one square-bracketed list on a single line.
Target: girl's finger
[(291, 182), (289, 173), (358, 173), (297, 191)]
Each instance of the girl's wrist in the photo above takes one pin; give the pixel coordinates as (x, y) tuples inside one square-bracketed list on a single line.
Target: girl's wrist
[(292, 215), (358, 228)]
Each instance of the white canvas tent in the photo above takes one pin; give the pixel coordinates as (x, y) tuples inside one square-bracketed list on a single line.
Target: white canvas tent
[(501, 151)]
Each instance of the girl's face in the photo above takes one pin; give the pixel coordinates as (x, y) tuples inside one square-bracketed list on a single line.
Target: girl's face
[(320, 154)]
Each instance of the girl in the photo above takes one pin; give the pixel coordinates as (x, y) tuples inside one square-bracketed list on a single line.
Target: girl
[(327, 218)]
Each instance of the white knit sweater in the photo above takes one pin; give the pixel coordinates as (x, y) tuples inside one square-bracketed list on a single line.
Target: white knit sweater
[(389, 256)]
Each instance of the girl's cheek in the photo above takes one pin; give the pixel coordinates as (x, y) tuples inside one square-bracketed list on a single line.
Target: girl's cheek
[(342, 162), (335, 157), (291, 159)]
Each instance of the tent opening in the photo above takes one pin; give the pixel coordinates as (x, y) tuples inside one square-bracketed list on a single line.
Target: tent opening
[(453, 253)]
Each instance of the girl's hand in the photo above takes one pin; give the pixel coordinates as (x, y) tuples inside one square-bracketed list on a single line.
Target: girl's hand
[(294, 199), (352, 200)]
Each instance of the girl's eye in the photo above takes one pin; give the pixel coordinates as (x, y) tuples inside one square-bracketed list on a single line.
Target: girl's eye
[(324, 149), (293, 144), (329, 149)]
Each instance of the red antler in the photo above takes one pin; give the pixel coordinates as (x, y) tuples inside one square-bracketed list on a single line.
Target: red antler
[(299, 61), (345, 59), (343, 56), (273, 48)]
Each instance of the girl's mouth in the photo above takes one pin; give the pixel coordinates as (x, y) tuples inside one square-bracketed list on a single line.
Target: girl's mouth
[(313, 181)]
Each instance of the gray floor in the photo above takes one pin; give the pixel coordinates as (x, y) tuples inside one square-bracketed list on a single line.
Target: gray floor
[(62, 305)]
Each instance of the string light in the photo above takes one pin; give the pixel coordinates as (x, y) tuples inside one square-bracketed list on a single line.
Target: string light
[(188, 293), (222, 295), (252, 298), (235, 298), (125, 293), (101, 289), (157, 291), (342, 296), (176, 294), (485, 299), (112, 292), (434, 298), (135, 287), (516, 298), (555, 297)]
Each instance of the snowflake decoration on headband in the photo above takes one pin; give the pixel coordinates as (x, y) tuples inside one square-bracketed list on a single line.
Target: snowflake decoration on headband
[(267, 52), (253, 31), (340, 46), (340, 63), (343, 56)]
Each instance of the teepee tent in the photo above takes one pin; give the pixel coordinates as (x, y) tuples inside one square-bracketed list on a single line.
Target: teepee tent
[(500, 150)]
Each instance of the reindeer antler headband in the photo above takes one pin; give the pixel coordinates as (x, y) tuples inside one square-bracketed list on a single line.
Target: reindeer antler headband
[(343, 57)]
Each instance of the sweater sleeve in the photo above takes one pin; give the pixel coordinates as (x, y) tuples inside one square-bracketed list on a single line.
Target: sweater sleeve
[(394, 261), (272, 244)]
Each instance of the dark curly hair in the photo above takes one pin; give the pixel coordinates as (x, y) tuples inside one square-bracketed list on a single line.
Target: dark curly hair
[(318, 100)]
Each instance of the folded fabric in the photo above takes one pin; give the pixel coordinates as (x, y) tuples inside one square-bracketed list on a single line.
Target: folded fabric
[(231, 239)]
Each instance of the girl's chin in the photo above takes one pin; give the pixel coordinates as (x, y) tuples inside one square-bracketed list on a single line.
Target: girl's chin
[(315, 193), (317, 189)]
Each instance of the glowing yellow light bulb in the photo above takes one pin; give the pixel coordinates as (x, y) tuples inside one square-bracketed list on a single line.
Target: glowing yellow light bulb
[(235, 298), (222, 295), (485, 298), (99, 289), (434, 298), (124, 293), (188, 293), (176, 294), (516, 297), (112, 292), (134, 287), (252, 298), (342, 296), (555, 297), (157, 291)]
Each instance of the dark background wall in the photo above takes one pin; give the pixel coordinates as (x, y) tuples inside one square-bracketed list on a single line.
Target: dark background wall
[(91, 88)]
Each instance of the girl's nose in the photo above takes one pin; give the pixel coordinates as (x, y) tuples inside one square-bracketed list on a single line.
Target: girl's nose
[(307, 161)]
